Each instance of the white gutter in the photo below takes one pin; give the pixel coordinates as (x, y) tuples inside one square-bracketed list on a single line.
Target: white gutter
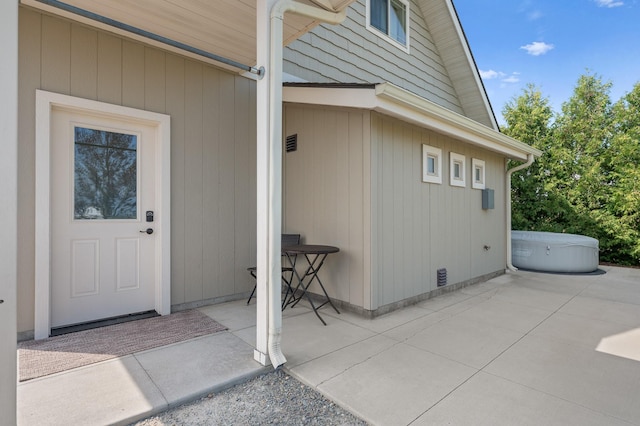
[(530, 160), (278, 10)]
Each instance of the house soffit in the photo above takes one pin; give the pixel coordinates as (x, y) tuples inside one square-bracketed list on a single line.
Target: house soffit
[(224, 28), (445, 28), (396, 102)]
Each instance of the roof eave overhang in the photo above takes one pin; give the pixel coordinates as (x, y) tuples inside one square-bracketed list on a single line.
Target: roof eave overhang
[(396, 102)]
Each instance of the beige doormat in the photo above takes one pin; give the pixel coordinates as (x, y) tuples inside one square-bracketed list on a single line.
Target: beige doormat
[(37, 358)]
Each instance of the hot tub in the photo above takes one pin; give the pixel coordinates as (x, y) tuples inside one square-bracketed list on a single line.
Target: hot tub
[(554, 252)]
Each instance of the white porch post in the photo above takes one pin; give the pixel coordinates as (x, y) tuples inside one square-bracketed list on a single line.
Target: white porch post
[(269, 200), (8, 207)]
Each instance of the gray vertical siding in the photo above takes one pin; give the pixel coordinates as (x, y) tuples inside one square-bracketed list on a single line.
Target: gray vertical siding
[(212, 147), (419, 227), (349, 53), (356, 182), (326, 193)]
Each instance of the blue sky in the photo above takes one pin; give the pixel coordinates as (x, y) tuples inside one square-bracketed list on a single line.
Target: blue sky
[(551, 43)]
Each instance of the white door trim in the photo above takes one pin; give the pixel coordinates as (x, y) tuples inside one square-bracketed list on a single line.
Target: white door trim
[(45, 102)]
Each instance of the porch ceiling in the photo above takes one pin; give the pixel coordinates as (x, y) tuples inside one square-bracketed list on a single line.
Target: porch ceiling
[(223, 27)]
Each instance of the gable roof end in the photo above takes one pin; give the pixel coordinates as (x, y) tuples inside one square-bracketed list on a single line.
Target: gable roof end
[(445, 28)]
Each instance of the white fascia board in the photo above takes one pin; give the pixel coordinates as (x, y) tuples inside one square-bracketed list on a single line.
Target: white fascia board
[(472, 63), (330, 96), (391, 100)]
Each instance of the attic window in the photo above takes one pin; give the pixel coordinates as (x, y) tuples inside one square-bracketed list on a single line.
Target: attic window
[(431, 164), (391, 18), (457, 169), (478, 173)]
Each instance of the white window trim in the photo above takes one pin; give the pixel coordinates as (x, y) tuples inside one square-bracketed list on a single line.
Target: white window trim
[(387, 37), (453, 159), (433, 152), (475, 164)]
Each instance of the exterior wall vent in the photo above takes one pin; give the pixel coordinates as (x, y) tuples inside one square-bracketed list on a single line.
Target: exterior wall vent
[(442, 277), (292, 143)]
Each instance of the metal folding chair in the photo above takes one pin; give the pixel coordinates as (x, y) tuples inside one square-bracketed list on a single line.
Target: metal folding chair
[(287, 272)]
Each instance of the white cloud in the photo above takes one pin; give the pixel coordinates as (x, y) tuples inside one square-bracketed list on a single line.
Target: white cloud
[(513, 78), (609, 3), (489, 74), (537, 48), (503, 77)]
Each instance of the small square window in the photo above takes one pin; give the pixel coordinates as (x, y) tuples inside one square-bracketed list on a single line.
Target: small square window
[(457, 173), (391, 18), (432, 167), (478, 173), (431, 164), (457, 170)]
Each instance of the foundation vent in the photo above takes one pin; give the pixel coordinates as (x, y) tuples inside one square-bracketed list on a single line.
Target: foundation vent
[(292, 143), (442, 277)]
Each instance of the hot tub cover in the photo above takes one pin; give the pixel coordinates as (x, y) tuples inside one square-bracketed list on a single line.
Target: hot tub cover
[(554, 252)]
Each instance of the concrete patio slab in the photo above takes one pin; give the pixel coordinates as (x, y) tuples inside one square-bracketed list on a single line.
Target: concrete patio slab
[(446, 300), (504, 314), (384, 322), (113, 392), (524, 348), (234, 315), (604, 383), (305, 338), (622, 290), (555, 283), (221, 360), (472, 343), (397, 385), (605, 310), (486, 400), (538, 298), (326, 367), (578, 330), (493, 284), (410, 329)]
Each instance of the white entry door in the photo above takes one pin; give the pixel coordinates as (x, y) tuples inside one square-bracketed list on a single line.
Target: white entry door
[(103, 217)]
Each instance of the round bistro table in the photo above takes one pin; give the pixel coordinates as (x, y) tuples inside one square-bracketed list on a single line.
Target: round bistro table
[(315, 256)]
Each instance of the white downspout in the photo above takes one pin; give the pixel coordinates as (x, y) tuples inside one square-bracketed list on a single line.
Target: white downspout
[(275, 160), (530, 160)]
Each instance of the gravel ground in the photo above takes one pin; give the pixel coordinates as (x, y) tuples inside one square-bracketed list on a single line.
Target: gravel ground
[(272, 399)]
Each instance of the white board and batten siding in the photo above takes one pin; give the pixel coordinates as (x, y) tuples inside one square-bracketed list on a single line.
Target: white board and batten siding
[(349, 53), (212, 147), (356, 182)]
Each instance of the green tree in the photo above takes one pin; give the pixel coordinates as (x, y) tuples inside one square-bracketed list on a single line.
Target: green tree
[(534, 205), (581, 141), (588, 179), (624, 178)]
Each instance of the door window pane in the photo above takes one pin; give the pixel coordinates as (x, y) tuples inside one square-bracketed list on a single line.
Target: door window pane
[(105, 174)]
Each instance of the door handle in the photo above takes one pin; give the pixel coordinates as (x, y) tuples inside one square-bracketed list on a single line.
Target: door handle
[(147, 231)]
